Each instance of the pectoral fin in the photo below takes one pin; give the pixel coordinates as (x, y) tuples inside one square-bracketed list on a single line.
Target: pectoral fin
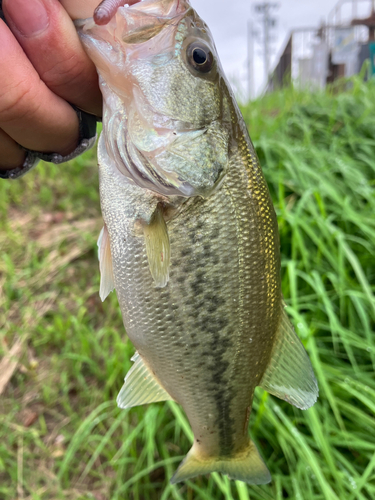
[(289, 375), (105, 264), (158, 248), (141, 386)]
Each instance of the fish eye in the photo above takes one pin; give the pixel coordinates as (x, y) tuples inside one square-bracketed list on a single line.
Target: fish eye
[(200, 57)]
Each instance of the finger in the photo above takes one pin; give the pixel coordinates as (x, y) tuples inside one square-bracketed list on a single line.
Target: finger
[(80, 9), (29, 112), (11, 154), (47, 35)]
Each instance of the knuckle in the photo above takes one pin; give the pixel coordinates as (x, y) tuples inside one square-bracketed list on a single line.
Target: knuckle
[(67, 73), (17, 101)]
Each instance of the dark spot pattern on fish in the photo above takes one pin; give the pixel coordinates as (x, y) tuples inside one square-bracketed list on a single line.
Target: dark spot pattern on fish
[(223, 394), (210, 320), (199, 277), (192, 235), (188, 268), (194, 344), (197, 288), (200, 281), (214, 300), (215, 260), (186, 251)]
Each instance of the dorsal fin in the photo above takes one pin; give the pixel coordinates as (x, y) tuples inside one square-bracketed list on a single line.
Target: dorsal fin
[(141, 386), (289, 374), (158, 248), (105, 264)]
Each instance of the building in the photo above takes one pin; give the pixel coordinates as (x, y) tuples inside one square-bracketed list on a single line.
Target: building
[(315, 57)]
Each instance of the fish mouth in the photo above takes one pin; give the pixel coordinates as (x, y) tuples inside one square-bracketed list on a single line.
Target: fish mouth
[(163, 8), (132, 31), (145, 20), (143, 15)]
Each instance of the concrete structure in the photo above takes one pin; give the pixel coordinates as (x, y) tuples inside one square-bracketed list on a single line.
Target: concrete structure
[(316, 56)]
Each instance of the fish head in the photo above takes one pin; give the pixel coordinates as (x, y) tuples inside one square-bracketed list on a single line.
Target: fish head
[(166, 115)]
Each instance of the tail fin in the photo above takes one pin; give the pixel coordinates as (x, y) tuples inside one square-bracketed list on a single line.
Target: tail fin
[(247, 466)]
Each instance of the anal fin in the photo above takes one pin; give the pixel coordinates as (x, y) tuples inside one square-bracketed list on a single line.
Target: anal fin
[(246, 466), (158, 248), (141, 386), (289, 374), (105, 264)]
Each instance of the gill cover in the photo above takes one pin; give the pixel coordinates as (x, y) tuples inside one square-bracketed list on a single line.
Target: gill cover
[(163, 103)]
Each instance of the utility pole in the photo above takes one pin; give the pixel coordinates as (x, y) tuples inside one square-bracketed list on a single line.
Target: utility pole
[(266, 41), (264, 10), (354, 9), (250, 60)]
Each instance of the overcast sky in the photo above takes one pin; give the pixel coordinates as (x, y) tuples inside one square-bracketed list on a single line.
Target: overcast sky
[(227, 20)]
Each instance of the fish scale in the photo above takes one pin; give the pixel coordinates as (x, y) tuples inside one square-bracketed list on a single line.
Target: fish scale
[(164, 322), (190, 241)]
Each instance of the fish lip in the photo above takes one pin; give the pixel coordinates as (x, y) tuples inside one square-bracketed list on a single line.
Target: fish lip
[(141, 8), (145, 20), (145, 4)]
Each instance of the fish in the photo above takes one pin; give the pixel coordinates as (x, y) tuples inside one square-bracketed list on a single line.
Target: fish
[(190, 240)]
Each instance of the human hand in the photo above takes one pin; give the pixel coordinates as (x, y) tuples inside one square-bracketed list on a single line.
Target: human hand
[(43, 68)]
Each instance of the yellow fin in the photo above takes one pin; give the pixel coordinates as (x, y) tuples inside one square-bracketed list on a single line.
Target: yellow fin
[(289, 374), (158, 248), (246, 466), (141, 387), (105, 264)]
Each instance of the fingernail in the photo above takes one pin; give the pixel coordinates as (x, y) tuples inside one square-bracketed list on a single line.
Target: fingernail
[(29, 17)]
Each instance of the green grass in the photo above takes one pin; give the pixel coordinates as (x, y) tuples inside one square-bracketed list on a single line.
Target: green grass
[(61, 435)]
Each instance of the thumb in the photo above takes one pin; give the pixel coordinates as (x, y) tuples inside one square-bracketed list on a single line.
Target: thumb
[(48, 37)]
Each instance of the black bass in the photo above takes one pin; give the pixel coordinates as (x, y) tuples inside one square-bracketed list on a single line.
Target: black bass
[(190, 241)]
